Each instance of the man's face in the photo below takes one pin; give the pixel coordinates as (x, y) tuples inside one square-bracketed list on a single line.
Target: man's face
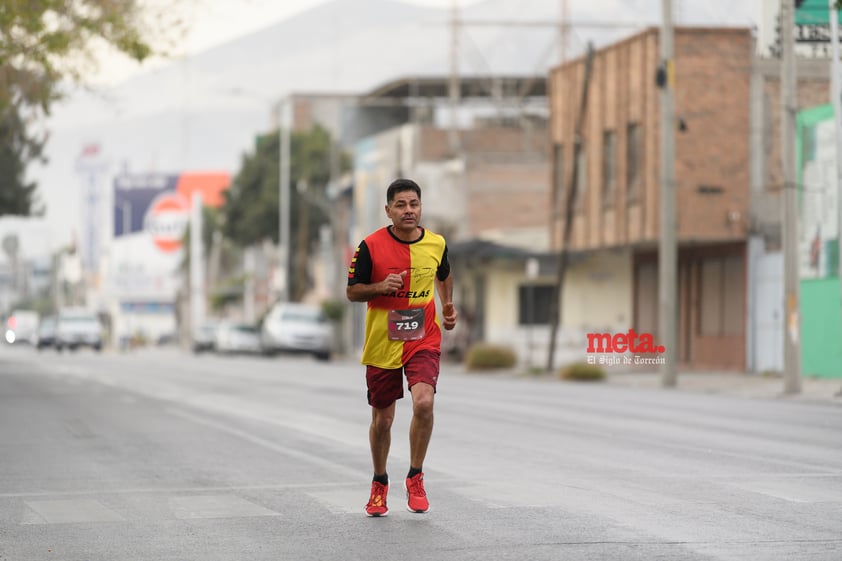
[(405, 211)]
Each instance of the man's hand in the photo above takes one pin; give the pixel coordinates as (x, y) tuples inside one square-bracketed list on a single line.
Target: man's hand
[(392, 283), (449, 316)]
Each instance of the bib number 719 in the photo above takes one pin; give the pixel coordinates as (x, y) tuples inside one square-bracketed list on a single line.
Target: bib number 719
[(406, 325)]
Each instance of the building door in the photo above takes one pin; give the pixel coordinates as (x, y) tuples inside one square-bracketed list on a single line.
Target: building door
[(646, 298), (720, 339), (687, 287), (768, 312)]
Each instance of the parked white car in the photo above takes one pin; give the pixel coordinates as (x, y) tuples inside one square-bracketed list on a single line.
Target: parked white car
[(205, 338), (297, 328), (78, 328), (47, 332), (22, 327)]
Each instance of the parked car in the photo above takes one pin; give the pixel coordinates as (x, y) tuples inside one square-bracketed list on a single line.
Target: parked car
[(22, 327), (297, 328), (237, 338), (205, 338), (78, 328), (166, 340), (46, 333)]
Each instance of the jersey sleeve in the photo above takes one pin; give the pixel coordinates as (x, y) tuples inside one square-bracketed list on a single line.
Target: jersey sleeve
[(360, 269), (444, 268)]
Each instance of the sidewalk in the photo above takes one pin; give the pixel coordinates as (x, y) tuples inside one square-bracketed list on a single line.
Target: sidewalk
[(735, 383), (825, 390)]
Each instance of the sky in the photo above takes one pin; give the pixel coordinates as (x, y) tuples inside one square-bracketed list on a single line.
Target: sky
[(213, 22)]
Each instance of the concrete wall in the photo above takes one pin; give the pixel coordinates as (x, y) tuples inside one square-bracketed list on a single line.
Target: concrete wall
[(598, 293), (597, 298)]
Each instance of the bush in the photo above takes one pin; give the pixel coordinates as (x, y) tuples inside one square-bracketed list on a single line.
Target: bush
[(333, 310), (582, 372), (483, 356), (138, 340)]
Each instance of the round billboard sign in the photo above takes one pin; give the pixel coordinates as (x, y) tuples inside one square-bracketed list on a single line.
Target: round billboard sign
[(166, 221)]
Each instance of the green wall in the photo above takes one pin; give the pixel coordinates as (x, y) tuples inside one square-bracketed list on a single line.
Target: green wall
[(821, 328), (821, 300)]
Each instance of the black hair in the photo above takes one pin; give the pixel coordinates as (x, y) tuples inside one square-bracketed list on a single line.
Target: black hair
[(399, 186)]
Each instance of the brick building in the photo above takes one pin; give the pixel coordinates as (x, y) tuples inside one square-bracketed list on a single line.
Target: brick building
[(616, 226)]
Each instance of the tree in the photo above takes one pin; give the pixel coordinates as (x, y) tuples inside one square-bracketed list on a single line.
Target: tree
[(252, 201), (17, 196), (44, 45)]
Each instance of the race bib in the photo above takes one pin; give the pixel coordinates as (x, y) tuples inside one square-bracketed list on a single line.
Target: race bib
[(406, 325)]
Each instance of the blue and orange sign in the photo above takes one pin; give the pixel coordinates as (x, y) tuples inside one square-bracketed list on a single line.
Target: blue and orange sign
[(159, 204)]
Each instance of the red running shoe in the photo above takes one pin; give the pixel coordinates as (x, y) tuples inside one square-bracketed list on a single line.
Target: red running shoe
[(416, 497), (377, 503)]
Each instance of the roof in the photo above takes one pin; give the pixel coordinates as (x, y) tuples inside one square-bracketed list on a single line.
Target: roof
[(482, 249), (470, 87), (479, 249)]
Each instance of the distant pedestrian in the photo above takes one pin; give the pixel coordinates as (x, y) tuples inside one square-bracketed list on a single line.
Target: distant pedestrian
[(397, 270)]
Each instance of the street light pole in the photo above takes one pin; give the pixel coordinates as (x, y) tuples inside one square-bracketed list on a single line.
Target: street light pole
[(197, 265), (284, 213), (792, 296), (668, 245), (836, 95)]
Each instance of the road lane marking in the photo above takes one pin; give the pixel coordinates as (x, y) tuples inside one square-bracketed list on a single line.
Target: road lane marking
[(216, 506), (67, 511)]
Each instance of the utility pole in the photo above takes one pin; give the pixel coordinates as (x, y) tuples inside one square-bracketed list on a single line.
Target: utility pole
[(454, 85), (836, 94), (561, 84), (836, 97), (569, 208), (792, 299), (284, 212), (562, 32), (668, 245), (197, 265)]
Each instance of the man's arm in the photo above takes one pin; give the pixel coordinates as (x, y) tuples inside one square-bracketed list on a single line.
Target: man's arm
[(444, 288), (448, 311), (363, 292), (361, 287)]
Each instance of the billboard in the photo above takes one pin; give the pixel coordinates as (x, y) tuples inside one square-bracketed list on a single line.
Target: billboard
[(151, 212), (158, 204), (813, 12), (819, 194), (821, 298)]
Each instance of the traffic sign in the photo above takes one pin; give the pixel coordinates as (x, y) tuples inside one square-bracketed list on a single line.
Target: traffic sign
[(813, 12)]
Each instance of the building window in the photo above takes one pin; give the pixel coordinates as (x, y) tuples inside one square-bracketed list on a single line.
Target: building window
[(581, 174), (634, 163), (722, 297), (608, 167), (534, 303), (733, 301)]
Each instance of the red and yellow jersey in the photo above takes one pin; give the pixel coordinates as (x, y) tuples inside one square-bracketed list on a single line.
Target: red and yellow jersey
[(399, 324)]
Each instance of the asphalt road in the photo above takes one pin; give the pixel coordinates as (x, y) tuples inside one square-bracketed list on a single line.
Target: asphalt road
[(165, 456)]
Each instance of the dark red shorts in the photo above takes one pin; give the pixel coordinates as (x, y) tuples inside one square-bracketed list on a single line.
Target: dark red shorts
[(385, 385)]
